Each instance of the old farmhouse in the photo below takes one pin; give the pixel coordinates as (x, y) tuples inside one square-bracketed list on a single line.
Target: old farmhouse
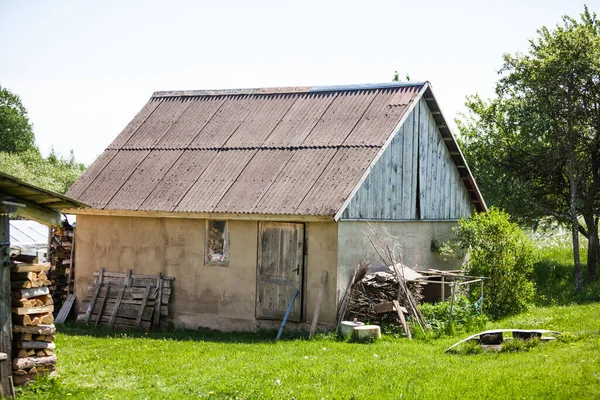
[(245, 195)]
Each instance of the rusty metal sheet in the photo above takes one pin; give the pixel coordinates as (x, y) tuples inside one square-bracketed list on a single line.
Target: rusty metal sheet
[(158, 123), (256, 179), (113, 176), (337, 181), (143, 180), (295, 181), (178, 180), (265, 113), (224, 123), (88, 177), (192, 121), (300, 120), (380, 119), (215, 181), (134, 125), (340, 118)]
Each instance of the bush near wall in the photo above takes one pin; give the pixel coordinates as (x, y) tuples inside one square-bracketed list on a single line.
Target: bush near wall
[(500, 250)]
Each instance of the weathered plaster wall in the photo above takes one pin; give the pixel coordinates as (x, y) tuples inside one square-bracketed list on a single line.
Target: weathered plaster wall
[(205, 295), (414, 237), (322, 256)]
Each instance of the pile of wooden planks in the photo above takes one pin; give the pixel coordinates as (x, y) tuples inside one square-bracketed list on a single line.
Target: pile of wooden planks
[(32, 319), (126, 300), (62, 258)]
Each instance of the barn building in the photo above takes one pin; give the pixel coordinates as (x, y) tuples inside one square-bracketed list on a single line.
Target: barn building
[(245, 195)]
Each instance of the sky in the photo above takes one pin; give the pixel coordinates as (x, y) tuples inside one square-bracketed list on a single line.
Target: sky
[(83, 69)]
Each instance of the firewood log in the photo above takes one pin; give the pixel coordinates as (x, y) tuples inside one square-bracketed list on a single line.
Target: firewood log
[(29, 362), (40, 329)]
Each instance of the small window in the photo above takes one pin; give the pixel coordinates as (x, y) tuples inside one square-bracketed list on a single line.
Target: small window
[(217, 251)]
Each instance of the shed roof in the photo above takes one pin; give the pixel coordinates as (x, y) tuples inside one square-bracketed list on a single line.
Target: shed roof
[(34, 202), (293, 151)]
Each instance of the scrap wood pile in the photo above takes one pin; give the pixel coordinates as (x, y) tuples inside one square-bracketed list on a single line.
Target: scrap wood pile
[(378, 286), (33, 322), (126, 300), (391, 288), (61, 256)]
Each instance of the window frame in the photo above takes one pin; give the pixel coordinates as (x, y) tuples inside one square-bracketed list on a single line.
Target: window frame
[(207, 259)]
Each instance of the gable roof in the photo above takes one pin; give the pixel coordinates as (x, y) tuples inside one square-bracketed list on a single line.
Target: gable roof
[(292, 151)]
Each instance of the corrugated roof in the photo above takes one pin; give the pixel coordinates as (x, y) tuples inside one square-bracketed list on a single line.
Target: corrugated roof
[(296, 151)]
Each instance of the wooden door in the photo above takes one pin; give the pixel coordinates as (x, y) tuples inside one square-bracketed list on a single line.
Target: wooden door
[(280, 269)]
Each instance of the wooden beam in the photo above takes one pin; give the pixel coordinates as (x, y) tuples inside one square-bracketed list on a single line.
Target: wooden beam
[(192, 215), (35, 212)]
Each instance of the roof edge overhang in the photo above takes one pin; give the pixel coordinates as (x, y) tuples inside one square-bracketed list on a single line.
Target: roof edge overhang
[(284, 90), (455, 151), (202, 215), (33, 202), (457, 156)]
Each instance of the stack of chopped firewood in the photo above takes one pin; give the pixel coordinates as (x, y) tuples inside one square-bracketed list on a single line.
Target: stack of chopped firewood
[(33, 322), (61, 257), (126, 300)]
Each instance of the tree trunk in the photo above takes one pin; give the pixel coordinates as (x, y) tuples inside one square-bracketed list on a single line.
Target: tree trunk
[(593, 250), (574, 222)]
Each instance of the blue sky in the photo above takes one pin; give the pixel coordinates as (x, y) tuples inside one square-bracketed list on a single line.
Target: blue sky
[(83, 69)]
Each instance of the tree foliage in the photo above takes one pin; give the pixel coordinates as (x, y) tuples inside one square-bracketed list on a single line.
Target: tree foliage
[(20, 157), (535, 147), (54, 173), (500, 250), (16, 134)]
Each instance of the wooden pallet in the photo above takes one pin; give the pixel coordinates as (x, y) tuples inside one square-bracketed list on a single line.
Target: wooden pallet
[(126, 300)]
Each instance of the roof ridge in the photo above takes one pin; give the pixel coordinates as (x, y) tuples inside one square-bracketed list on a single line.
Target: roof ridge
[(285, 90), (230, 148)]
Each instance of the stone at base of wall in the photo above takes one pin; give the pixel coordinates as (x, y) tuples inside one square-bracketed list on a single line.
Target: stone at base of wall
[(228, 324)]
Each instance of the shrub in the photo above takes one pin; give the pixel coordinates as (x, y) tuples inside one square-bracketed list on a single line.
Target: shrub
[(465, 317), (500, 250)]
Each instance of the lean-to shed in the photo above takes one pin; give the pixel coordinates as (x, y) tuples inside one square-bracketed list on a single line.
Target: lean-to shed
[(34, 203), (245, 195)]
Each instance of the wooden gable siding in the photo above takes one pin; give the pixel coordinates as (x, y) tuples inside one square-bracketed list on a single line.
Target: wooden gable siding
[(415, 168)]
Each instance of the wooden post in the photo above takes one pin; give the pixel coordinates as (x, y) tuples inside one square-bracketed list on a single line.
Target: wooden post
[(443, 288), (5, 308), (158, 300), (313, 326), (453, 291)]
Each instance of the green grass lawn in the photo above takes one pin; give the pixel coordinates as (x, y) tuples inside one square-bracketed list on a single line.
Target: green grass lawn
[(98, 364)]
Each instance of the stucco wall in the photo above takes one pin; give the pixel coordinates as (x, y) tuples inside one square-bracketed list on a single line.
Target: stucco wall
[(322, 256), (204, 295), (414, 237)]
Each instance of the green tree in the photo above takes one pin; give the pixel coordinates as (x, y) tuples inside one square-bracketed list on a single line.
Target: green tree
[(54, 173), (535, 147), (16, 134), (499, 250)]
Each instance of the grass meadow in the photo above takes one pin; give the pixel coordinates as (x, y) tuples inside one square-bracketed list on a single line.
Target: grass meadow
[(101, 364)]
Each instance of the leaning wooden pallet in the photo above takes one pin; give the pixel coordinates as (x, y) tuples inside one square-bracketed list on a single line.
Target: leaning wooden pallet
[(32, 317), (125, 300)]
